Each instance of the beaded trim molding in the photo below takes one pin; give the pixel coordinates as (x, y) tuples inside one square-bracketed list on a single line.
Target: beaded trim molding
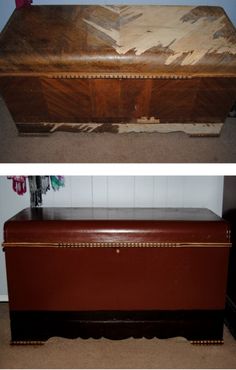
[(207, 342), (100, 75), (27, 342), (195, 342), (119, 76), (116, 245), (115, 75)]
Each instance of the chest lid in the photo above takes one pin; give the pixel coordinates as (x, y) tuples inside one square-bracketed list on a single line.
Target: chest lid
[(119, 41), (130, 226)]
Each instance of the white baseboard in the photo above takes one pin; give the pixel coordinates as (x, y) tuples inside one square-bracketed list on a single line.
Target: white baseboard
[(3, 298)]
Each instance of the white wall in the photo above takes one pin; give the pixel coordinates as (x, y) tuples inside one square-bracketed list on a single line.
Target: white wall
[(7, 6), (116, 191), (10, 204)]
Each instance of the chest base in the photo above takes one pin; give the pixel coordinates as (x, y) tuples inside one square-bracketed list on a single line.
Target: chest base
[(191, 129), (203, 326)]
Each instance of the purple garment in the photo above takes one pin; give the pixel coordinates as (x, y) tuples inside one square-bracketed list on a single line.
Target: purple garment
[(18, 184), (22, 3)]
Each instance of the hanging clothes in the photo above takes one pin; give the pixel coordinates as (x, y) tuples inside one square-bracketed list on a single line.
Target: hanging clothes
[(22, 3), (18, 184), (57, 182), (38, 186)]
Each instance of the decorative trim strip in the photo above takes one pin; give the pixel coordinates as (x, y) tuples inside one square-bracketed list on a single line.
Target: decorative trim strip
[(207, 342), (119, 75), (116, 245), (195, 342), (140, 245), (27, 342)]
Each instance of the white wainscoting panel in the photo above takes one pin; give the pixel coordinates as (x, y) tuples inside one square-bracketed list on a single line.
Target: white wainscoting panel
[(144, 191), (81, 191), (10, 204), (121, 191), (100, 191)]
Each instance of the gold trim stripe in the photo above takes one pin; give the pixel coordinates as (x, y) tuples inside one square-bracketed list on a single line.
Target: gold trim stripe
[(115, 245), (101, 75), (27, 342), (207, 342), (119, 75), (195, 342)]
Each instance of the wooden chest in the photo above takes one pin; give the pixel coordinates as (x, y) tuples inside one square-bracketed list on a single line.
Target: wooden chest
[(116, 273), (230, 309), (119, 68)]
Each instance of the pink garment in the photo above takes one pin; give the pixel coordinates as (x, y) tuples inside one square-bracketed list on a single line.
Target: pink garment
[(18, 184), (22, 3)]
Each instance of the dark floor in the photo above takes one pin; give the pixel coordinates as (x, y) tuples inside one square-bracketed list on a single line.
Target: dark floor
[(61, 147)]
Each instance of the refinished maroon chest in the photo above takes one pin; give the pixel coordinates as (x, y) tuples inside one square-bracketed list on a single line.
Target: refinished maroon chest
[(82, 272)]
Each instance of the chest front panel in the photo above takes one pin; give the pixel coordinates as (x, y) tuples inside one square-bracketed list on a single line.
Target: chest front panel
[(78, 103)]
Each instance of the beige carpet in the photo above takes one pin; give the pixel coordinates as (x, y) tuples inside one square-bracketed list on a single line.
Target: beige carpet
[(104, 353), (68, 147)]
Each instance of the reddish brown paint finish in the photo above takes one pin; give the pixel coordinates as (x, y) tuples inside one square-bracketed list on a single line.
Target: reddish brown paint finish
[(77, 279), (106, 277), (111, 225)]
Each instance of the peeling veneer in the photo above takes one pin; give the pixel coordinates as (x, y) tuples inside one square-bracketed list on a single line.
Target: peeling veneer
[(119, 69), (143, 125), (178, 29)]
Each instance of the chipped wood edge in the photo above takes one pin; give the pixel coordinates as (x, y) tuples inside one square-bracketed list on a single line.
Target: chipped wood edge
[(193, 129), (143, 126)]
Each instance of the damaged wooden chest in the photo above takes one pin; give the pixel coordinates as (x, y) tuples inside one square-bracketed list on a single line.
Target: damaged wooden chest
[(116, 273), (119, 68)]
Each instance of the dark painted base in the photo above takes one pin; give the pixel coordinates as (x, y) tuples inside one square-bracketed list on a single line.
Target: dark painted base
[(230, 316), (41, 325)]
